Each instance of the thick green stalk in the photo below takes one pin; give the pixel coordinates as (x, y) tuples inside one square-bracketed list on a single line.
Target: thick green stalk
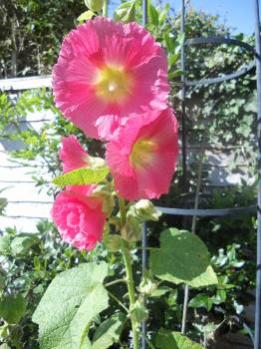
[(129, 276), (131, 291)]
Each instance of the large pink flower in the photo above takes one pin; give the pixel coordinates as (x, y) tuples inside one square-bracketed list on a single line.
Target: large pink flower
[(79, 219), (143, 155), (109, 70)]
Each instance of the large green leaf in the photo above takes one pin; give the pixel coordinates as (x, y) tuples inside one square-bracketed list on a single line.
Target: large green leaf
[(175, 340), (82, 176), (70, 304), (108, 332), (182, 258), (12, 308)]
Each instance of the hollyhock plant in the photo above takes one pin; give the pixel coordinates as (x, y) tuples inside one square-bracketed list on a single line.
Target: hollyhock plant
[(111, 81), (107, 71), (79, 218), (142, 156)]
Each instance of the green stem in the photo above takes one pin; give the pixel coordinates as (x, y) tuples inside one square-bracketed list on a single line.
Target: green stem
[(125, 247), (118, 301), (114, 282), (122, 207), (105, 8), (131, 291), (150, 344)]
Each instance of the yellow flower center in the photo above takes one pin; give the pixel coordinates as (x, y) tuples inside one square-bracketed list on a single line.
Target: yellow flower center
[(143, 153), (113, 83)]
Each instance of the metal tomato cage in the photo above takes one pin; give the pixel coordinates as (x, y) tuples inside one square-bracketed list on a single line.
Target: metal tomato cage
[(256, 51)]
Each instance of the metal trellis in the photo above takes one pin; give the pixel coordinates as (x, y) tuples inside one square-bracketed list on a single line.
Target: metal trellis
[(256, 51)]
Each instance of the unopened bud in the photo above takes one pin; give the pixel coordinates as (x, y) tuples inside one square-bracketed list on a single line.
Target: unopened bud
[(112, 242), (132, 230), (104, 193), (139, 312), (144, 210), (96, 162), (147, 286)]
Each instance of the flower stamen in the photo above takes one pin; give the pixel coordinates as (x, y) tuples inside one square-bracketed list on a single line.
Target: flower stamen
[(143, 152), (113, 83)]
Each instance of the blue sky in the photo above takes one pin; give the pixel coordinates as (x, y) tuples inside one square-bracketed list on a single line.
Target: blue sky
[(238, 14)]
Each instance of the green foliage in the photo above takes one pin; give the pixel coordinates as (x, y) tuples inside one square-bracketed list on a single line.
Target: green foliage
[(85, 16), (175, 340), (31, 32), (4, 346), (139, 312), (75, 297), (182, 258), (82, 176), (202, 300), (126, 12), (94, 5), (3, 204), (153, 14), (108, 332), (22, 244), (26, 275), (12, 308), (5, 245)]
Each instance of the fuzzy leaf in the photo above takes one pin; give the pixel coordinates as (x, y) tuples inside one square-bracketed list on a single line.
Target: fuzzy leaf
[(201, 300), (82, 176), (108, 332), (70, 304), (22, 243), (175, 340), (5, 245), (85, 16), (125, 12), (12, 308), (153, 14), (182, 258)]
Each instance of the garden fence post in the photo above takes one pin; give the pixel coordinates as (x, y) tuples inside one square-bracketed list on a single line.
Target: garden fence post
[(258, 271), (144, 230), (183, 97)]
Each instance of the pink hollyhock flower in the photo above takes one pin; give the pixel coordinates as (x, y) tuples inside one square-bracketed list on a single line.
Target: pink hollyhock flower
[(109, 69), (143, 154), (79, 219)]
